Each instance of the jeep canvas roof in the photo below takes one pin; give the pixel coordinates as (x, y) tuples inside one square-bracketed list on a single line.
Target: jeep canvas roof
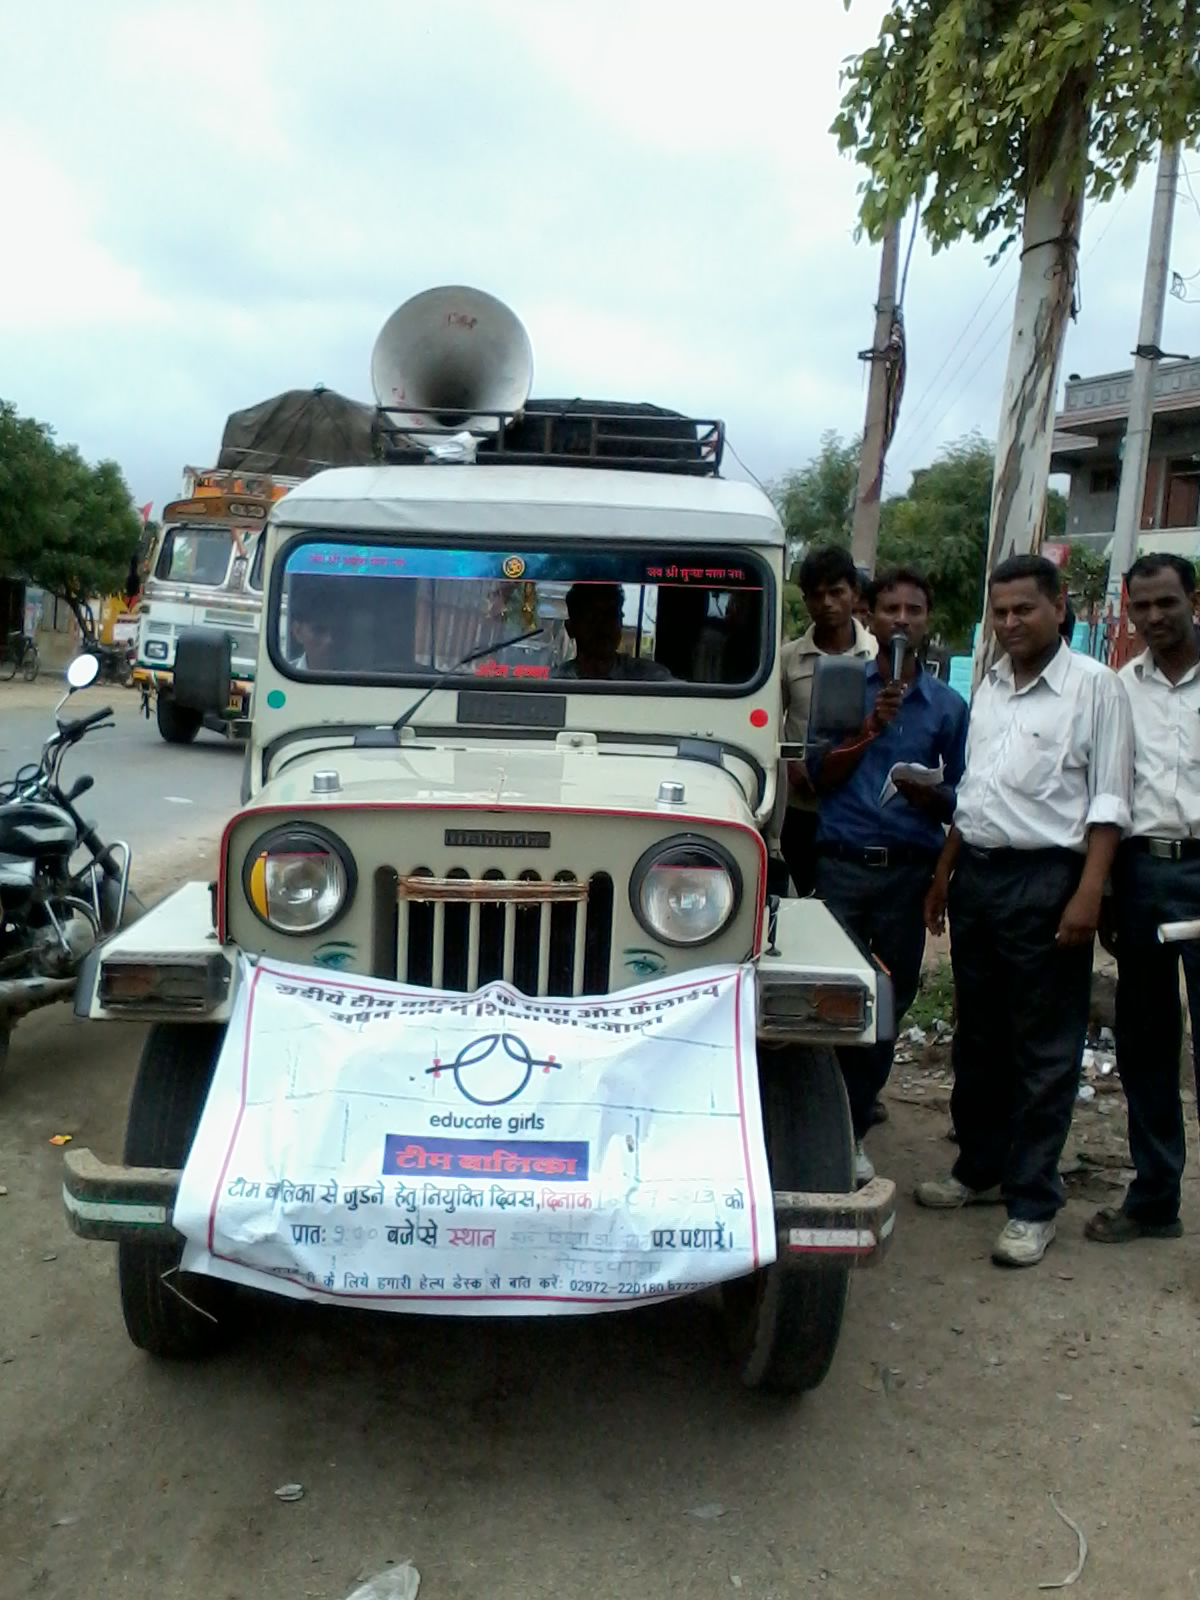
[(460, 499)]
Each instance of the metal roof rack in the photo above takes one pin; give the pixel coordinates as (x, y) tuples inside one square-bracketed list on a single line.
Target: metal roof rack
[(567, 433)]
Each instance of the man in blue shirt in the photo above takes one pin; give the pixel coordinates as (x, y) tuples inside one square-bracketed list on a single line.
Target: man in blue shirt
[(875, 858)]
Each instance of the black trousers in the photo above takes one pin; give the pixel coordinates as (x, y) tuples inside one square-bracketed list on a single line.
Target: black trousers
[(1150, 1022), (884, 908), (1022, 1018), (798, 847)]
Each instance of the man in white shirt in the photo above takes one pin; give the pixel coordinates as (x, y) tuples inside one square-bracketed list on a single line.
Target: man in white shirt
[(1157, 879), (829, 583), (1041, 808)]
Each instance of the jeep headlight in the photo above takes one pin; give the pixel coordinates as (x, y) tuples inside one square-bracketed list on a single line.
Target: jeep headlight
[(299, 879), (686, 890)]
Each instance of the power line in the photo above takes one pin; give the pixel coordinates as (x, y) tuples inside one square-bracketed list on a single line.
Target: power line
[(912, 239), (928, 391), (1100, 237), (730, 446), (1179, 280), (1187, 178), (930, 430)]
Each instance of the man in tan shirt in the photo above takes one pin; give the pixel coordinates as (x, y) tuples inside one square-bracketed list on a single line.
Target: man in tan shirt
[(829, 584)]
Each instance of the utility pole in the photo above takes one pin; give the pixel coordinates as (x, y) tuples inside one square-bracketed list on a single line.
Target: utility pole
[(864, 533), (1136, 454)]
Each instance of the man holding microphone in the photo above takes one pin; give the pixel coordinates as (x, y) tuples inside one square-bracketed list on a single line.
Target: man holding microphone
[(876, 855)]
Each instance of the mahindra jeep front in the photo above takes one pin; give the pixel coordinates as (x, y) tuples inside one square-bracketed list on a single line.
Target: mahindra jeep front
[(525, 725)]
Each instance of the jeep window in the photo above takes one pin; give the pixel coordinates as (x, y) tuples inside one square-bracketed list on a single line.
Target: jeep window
[(558, 616), (195, 555)]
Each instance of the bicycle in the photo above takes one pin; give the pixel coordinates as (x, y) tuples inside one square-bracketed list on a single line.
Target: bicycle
[(22, 653)]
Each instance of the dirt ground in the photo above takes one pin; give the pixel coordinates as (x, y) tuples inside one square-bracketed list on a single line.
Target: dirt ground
[(612, 1456), (605, 1457)]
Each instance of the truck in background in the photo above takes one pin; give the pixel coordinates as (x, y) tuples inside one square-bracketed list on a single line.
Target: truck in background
[(206, 572)]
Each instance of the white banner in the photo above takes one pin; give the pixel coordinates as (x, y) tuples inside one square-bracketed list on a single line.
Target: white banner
[(408, 1149)]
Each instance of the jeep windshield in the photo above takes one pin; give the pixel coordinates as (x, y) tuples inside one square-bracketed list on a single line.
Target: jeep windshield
[(560, 617)]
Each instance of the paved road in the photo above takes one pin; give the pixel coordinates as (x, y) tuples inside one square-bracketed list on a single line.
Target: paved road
[(147, 792)]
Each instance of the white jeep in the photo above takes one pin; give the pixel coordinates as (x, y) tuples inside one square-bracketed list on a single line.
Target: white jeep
[(516, 718)]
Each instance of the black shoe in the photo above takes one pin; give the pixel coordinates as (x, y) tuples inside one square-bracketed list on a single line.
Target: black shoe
[(878, 1113), (1111, 1226)]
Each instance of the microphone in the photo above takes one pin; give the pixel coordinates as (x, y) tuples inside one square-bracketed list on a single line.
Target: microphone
[(899, 652)]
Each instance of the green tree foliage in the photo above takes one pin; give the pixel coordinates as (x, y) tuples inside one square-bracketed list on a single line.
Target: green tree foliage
[(795, 615), (65, 525), (1086, 574), (816, 502), (1056, 516), (970, 102), (940, 526)]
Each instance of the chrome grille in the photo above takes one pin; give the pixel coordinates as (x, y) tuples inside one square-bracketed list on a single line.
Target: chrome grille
[(544, 935)]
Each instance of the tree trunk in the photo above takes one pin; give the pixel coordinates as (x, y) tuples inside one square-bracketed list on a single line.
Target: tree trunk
[(82, 612), (1045, 297)]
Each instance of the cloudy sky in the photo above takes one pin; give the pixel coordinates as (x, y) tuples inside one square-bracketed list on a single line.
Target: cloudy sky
[(207, 203)]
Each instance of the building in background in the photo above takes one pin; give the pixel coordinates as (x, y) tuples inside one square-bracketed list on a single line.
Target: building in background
[(1089, 434)]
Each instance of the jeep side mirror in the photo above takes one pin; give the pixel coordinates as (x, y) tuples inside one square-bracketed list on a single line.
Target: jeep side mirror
[(838, 706), (203, 670)]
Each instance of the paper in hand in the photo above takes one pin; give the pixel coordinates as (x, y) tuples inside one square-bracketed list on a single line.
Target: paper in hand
[(913, 772)]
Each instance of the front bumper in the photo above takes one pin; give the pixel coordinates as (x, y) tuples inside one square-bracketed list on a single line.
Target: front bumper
[(157, 678), (138, 1203)]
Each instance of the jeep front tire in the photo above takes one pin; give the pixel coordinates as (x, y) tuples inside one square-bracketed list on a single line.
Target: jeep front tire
[(784, 1321), (167, 1313)]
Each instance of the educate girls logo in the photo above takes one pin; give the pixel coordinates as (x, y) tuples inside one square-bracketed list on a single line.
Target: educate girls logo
[(493, 1069)]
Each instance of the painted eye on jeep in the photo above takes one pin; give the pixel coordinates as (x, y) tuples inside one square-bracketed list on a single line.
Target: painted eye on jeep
[(299, 879), (686, 890), (643, 963)]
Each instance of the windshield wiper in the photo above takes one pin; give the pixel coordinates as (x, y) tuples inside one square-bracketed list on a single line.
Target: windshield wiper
[(405, 717)]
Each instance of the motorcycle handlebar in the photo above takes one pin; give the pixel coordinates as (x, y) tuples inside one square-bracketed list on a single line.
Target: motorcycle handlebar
[(76, 729)]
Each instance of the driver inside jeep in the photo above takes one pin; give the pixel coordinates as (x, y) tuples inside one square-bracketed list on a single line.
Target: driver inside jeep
[(312, 625), (595, 618)]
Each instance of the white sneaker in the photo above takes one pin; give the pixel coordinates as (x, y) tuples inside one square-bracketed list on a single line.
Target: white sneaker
[(947, 1194), (1022, 1244), (864, 1167)]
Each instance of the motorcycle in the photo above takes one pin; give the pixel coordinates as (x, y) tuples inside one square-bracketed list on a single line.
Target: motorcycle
[(51, 915), (115, 661)]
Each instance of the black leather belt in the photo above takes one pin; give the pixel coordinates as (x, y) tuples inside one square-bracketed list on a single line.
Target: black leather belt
[(1165, 849), (1009, 856), (878, 855)]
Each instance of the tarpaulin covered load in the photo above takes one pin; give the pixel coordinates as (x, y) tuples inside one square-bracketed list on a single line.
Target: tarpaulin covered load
[(298, 433)]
